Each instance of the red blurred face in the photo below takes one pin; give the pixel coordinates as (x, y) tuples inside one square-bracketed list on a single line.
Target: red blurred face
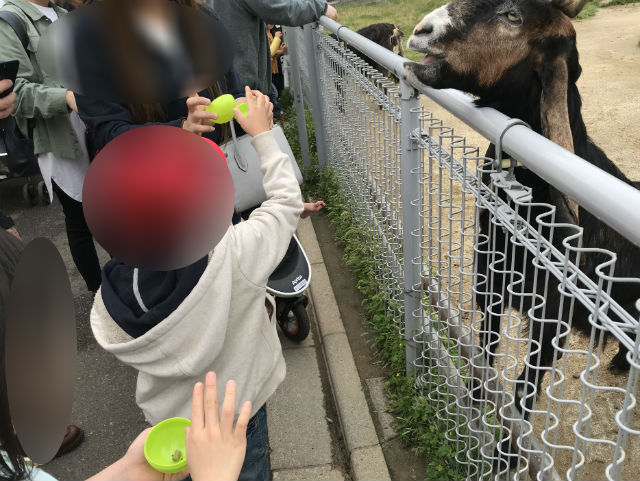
[(158, 198)]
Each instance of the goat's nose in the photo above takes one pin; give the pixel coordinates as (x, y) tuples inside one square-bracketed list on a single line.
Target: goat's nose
[(426, 29)]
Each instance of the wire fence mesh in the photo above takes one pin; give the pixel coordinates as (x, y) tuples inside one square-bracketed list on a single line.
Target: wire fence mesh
[(363, 123), (527, 346)]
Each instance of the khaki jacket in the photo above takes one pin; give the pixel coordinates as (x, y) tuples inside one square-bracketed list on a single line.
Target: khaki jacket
[(38, 97)]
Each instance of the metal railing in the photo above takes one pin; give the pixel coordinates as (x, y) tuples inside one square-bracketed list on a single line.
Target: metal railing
[(446, 227)]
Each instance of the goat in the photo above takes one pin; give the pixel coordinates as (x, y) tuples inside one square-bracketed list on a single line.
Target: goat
[(520, 57), (386, 35)]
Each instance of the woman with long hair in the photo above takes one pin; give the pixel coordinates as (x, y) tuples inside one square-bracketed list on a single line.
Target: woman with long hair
[(147, 66)]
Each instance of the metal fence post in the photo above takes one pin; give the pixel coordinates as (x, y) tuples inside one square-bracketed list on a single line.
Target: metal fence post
[(316, 97), (411, 222), (291, 34)]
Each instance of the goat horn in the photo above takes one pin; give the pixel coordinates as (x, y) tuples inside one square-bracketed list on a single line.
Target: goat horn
[(570, 8)]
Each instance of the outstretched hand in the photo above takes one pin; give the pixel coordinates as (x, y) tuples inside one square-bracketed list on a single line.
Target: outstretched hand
[(215, 449), (6, 102), (199, 120), (133, 466), (332, 13), (311, 207), (259, 118)]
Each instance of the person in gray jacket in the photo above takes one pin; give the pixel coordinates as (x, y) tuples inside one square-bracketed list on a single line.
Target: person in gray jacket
[(247, 21)]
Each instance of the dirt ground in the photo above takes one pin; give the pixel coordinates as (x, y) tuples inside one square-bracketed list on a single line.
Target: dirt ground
[(609, 86), (610, 83), (610, 89)]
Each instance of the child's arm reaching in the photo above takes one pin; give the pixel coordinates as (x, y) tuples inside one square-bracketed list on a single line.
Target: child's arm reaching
[(262, 241), (311, 207)]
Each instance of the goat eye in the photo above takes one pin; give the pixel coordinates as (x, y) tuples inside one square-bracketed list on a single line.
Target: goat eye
[(513, 17)]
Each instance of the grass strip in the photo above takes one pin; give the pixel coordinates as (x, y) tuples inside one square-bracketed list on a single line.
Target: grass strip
[(417, 423)]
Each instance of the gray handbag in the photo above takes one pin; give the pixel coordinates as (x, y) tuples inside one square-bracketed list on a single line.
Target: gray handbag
[(244, 165)]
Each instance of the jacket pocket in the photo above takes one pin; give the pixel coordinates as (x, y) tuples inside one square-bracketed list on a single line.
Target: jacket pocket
[(34, 43)]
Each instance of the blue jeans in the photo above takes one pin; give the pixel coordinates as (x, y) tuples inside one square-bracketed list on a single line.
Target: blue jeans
[(256, 462), (273, 96)]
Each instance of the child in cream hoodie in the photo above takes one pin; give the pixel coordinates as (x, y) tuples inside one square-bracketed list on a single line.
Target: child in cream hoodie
[(175, 326)]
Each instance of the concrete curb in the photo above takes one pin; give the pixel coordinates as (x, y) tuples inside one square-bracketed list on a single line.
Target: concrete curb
[(365, 453)]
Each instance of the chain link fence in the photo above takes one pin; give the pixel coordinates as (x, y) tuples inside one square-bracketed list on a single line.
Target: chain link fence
[(486, 286)]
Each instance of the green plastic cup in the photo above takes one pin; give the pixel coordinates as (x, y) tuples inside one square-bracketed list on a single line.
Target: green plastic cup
[(162, 443), (223, 106)]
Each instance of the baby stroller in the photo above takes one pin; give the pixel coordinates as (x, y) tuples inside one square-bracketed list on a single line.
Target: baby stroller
[(34, 189), (23, 166), (286, 284)]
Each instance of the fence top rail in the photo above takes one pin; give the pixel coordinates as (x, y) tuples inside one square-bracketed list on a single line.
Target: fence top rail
[(608, 198)]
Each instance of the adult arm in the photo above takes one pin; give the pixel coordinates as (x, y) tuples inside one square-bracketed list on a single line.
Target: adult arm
[(32, 99), (107, 120), (134, 467), (287, 12)]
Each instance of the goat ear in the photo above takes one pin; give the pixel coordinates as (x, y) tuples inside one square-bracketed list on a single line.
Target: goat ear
[(396, 38), (556, 124), (554, 107)]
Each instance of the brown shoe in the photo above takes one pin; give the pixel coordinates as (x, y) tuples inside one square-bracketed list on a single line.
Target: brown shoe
[(71, 441)]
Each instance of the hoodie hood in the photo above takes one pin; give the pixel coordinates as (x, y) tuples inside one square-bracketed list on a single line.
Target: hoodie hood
[(139, 299)]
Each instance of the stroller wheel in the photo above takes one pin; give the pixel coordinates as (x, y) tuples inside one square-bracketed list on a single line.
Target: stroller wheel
[(295, 322), (43, 193), (30, 193)]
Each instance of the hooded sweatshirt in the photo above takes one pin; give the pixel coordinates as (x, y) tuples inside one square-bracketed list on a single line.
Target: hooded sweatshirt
[(174, 327)]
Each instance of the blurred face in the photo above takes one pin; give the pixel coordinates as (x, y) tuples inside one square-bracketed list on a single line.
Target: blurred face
[(40, 350), (158, 198), (136, 51)]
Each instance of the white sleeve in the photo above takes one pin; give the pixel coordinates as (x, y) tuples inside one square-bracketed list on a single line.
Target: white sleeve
[(261, 242)]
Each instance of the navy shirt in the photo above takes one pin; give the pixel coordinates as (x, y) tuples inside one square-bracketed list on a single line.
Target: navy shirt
[(106, 120)]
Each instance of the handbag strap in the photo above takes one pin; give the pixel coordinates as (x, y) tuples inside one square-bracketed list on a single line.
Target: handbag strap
[(241, 162)]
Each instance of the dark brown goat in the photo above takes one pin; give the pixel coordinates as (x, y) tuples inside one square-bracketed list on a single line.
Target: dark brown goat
[(386, 35), (520, 57)]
